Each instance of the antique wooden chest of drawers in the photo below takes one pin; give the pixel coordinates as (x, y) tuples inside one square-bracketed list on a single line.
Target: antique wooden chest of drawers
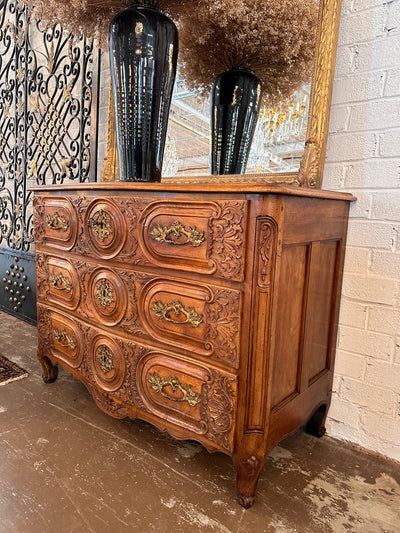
[(209, 311)]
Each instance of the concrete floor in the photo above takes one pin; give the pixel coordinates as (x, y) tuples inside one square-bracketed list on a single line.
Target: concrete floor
[(67, 467)]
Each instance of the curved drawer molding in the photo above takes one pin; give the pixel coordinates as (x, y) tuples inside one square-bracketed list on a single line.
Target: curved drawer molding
[(66, 340), (204, 237), (107, 296), (200, 399), (56, 222), (107, 363), (197, 318), (63, 283), (105, 227)]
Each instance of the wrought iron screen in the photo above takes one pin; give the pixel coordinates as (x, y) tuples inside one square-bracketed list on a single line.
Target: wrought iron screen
[(48, 112)]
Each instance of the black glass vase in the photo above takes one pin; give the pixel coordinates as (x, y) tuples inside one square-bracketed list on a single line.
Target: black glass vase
[(143, 54), (235, 107)]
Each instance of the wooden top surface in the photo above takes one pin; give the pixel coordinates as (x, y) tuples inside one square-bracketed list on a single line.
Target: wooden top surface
[(201, 185)]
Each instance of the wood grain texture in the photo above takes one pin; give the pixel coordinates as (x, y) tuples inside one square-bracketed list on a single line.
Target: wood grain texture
[(212, 316)]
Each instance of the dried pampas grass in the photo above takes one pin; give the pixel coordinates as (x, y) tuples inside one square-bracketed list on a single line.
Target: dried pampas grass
[(90, 18), (274, 38)]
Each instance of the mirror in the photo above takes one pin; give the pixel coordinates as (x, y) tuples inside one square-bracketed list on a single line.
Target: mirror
[(290, 142)]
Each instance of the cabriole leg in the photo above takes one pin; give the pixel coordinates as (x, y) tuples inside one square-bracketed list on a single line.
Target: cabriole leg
[(316, 425), (248, 471), (50, 371)]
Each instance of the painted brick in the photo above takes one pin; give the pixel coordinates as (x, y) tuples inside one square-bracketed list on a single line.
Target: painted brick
[(360, 5), (384, 375), (350, 365), (375, 235), (363, 26), (381, 173), (356, 87), (353, 314), (364, 342), (361, 208), (357, 260), (370, 289), (344, 412), (334, 175), (386, 205), (397, 352), (386, 428), (382, 53), (389, 143), (386, 264), (384, 320), (368, 115), (352, 147), (378, 400), (339, 120), (392, 86)]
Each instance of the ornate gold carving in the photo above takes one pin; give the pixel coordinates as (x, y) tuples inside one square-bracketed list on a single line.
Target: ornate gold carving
[(227, 231), (177, 308), (57, 222), (64, 339), (101, 225), (104, 293), (60, 283), (193, 236), (312, 164), (158, 383), (105, 359)]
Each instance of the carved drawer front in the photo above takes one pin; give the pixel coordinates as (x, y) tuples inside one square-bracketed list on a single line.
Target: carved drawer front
[(106, 363), (105, 227), (66, 340), (198, 398), (56, 222), (205, 237), (107, 297), (62, 282), (197, 318)]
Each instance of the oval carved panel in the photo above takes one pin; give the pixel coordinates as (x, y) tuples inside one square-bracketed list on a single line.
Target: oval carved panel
[(107, 295), (197, 318), (172, 389), (66, 340), (196, 236), (107, 363), (63, 283), (60, 223), (106, 227)]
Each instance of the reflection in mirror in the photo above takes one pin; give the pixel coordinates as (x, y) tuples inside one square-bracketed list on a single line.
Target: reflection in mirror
[(278, 143)]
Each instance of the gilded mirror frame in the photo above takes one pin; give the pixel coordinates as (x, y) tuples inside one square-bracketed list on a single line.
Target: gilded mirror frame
[(311, 169)]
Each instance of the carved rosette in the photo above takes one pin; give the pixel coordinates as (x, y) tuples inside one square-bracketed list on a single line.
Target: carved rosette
[(226, 246), (218, 409), (223, 322)]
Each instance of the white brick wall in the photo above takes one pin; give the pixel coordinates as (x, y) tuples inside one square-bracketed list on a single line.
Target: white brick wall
[(364, 158)]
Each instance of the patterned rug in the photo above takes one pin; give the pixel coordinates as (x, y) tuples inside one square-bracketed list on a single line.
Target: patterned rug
[(9, 371)]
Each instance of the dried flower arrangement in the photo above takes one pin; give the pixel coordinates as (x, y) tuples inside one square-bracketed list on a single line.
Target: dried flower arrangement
[(273, 38), (88, 17)]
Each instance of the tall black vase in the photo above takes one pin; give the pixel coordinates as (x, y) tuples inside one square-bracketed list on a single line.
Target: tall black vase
[(143, 54), (235, 107)]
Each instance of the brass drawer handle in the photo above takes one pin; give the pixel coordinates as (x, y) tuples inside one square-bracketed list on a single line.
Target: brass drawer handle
[(193, 236), (191, 316), (101, 224), (60, 283), (57, 222), (158, 383), (105, 359), (64, 339)]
